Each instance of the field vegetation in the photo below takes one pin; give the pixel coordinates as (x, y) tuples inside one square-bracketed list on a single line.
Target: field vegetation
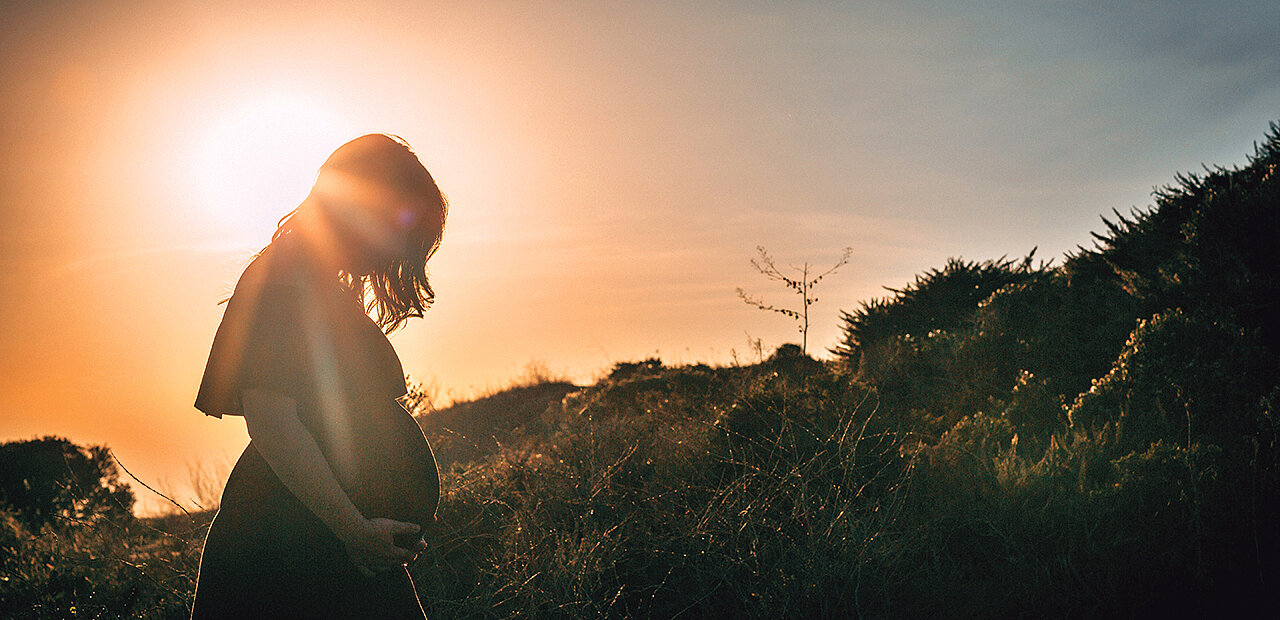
[(997, 438)]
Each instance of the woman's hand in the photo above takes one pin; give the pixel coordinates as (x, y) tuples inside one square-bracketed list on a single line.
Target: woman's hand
[(373, 546), (289, 448)]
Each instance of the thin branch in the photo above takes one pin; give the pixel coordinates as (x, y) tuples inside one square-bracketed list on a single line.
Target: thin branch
[(147, 486)]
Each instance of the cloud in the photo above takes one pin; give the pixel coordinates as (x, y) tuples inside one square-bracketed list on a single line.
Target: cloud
[(123, 259)]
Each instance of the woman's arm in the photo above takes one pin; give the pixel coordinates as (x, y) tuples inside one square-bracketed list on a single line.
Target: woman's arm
[(292, 453)]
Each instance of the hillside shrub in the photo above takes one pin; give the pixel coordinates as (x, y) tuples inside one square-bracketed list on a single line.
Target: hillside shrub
[(43, 481), (1181, 377)]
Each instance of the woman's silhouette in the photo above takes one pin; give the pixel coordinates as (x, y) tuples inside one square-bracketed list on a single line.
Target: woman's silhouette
[(333, 494)]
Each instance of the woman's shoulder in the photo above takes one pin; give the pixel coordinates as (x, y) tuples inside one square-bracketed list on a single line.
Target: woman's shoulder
[(278, 266)]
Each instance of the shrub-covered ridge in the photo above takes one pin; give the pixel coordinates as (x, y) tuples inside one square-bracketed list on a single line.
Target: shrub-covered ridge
[(996, 439)]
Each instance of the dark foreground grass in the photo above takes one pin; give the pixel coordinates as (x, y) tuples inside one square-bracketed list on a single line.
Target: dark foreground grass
[(142, 568), (784, 492)]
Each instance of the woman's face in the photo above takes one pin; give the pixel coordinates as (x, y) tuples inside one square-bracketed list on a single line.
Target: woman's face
[(375, 226), (378, 237)]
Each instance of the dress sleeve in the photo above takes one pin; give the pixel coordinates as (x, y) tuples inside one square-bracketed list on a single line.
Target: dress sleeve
[(257, 345)]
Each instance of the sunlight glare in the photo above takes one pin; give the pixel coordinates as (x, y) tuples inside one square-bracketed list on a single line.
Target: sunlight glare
[(258, 159)]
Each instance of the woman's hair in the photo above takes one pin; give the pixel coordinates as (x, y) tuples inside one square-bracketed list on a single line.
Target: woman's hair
[(386, 166)]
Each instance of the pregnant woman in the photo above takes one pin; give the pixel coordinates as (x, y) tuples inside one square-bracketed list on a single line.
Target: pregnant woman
[(332, 496)]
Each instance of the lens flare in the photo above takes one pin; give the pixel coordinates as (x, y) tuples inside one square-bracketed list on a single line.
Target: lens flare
[(259, 158)]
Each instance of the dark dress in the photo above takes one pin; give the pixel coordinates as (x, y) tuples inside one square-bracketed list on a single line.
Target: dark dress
[(267, 554)]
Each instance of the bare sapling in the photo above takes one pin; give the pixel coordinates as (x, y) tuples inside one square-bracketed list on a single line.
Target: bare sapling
[(801, 285)]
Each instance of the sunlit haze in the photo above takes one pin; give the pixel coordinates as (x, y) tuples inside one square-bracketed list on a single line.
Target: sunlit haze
[(611, 168), (260, 150)]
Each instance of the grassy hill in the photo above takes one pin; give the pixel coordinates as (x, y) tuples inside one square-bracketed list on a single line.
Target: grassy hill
[(996, 438)]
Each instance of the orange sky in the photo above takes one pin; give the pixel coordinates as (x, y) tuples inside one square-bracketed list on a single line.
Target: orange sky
[(610, 167)]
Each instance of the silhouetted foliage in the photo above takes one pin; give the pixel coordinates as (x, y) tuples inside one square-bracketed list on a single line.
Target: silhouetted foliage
[(627, 370), (1209, 242), (919, 347), (48, 479), (940, 300)]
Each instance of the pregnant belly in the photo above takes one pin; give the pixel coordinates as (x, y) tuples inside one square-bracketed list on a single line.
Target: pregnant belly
[(387, 468)]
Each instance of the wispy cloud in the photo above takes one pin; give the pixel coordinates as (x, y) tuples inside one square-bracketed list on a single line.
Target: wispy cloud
[(122, 258)]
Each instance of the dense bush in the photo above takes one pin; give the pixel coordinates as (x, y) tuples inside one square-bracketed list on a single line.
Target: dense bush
[(50, 479), (1145, 450), (1181, 378)]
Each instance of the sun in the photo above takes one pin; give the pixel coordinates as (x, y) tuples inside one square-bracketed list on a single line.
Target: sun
[(257, 156)]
